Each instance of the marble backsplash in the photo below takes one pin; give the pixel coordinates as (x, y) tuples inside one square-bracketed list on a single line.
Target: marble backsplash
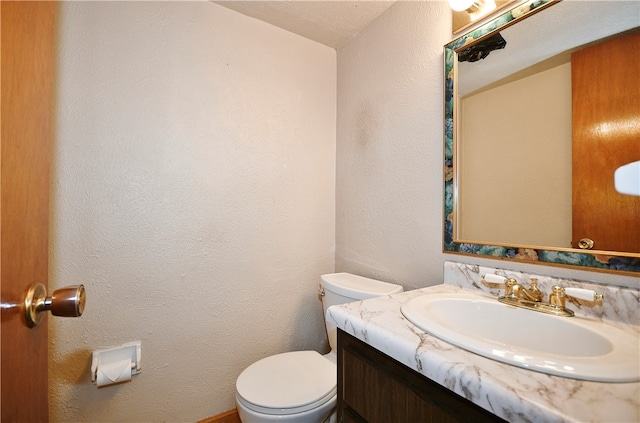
[(619, 304)]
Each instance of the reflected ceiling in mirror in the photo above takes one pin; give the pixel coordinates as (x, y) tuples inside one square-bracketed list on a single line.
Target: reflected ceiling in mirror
[(545, 37)]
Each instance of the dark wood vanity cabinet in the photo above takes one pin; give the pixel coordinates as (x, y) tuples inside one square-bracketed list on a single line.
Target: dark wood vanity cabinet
[(374, 388)]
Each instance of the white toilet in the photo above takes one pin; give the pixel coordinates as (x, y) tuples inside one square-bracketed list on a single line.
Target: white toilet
[(300, 386)]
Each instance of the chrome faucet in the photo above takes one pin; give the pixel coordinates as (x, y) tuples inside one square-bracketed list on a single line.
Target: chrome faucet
[(531, 297)]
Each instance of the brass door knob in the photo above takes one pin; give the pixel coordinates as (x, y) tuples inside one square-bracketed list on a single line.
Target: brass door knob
[(66, 302), (585, 244)]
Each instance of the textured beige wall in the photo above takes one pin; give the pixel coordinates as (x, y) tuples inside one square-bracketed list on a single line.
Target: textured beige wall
[(193, 195), (389, 146)]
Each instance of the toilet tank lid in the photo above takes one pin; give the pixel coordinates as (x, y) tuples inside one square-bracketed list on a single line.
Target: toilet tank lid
[(358, 287)]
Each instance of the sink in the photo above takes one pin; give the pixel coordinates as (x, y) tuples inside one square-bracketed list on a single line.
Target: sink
[(573, 347)]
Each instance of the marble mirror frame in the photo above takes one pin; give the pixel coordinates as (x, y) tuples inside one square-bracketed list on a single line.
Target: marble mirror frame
[(605, 261)]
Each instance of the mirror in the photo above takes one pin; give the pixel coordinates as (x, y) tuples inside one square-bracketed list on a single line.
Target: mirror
[(535, 41)]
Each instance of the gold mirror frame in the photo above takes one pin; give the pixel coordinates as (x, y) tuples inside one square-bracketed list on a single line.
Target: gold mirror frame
[(605, 261)]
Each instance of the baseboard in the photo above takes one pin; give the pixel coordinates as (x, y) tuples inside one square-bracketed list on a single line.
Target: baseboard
[(230, 416)]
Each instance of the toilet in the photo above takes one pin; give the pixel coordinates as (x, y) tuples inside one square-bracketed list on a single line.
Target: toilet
[(300, 386)]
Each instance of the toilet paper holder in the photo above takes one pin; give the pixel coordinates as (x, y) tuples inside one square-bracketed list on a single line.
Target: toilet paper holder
[(106, 356)]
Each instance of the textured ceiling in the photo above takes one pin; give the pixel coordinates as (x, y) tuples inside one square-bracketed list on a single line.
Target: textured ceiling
[(331, 23)]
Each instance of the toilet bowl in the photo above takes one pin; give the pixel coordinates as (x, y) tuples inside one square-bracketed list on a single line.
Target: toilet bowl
[(296, 386), (300, 386)]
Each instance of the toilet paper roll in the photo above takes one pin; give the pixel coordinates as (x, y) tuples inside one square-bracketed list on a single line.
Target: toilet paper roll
[(115, 372)]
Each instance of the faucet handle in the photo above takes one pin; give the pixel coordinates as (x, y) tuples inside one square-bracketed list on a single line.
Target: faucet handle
[(583, 294), (497, 279), (559, 295), (493, 278)]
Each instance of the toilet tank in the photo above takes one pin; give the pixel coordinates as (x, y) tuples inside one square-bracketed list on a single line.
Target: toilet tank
[(341, 288)]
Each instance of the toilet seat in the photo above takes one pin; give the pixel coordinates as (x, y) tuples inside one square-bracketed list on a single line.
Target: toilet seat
[(287, 383)]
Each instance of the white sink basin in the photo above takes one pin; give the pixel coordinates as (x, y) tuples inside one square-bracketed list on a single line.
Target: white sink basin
[(573, 347)]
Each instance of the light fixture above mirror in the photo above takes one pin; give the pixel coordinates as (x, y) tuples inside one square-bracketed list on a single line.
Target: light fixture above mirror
[(470, 6), (467, 12)]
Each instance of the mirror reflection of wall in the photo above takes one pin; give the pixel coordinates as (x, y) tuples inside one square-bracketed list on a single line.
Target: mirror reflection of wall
[(538, 34), (514, 139), (525, 178), (515, 179)]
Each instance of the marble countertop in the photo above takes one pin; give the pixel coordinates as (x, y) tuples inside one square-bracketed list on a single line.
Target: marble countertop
[(514, 394)]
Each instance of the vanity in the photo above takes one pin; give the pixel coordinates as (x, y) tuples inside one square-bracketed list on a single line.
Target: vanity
[(373, 387), (391, 370)]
